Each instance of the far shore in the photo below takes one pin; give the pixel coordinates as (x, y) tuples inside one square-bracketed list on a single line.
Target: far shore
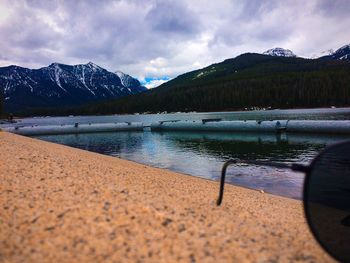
[(267, 109), (60, 204)]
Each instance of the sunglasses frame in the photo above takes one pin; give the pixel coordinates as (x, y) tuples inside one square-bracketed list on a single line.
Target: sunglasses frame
[(306, 192), (306, 169)]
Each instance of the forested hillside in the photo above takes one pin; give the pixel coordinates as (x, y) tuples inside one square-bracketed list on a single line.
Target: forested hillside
[(249, 80)]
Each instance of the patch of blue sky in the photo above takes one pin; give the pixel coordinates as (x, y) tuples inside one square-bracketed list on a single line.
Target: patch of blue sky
[(152, 82)]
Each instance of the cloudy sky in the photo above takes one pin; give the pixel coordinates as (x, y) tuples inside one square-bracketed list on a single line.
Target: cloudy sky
[(157, 40)]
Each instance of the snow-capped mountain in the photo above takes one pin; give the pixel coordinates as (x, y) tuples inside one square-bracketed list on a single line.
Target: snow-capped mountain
[(342, 53), (279, 52), (63, 85)]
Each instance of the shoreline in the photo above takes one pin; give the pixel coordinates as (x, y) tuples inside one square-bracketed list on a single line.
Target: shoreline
[(184, 112), (65, 204)]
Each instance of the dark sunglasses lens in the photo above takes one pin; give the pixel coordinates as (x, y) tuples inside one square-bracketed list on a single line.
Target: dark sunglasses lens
[(327, 200)]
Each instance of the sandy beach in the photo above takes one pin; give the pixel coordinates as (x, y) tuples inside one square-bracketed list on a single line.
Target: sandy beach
[(60, 204)]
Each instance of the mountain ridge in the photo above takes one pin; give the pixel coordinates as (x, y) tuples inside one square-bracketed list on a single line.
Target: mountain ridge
[(342, 53), (62, 85)]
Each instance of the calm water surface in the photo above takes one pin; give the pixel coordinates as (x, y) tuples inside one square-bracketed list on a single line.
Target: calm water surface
[(202, 154)]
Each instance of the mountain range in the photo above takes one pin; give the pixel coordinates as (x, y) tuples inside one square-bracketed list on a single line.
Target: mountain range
[(275, 78), (62, 85)]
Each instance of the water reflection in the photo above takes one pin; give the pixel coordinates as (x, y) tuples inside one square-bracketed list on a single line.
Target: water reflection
[(203, 153)]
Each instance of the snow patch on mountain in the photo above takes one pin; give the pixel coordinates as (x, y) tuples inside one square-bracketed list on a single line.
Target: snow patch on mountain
[(58, 71), (347, 56), (279, 52), (127, 80), (93, 66), (205, 72)]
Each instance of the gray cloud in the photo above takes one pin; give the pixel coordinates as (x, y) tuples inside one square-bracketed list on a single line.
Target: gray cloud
[(155, 38), (173, 17), (334, 8)]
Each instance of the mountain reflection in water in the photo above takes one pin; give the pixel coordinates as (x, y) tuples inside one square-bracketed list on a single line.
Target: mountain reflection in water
[(202, 154)]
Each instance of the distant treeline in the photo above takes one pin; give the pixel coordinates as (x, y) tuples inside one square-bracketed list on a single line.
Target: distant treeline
[(250, 80)]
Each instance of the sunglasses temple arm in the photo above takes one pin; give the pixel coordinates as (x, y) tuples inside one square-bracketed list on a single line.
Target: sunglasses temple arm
[(300, 167), (222, 180), (295, 167)]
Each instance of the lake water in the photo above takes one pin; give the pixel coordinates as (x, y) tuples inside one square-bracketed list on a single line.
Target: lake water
[(202, 154)]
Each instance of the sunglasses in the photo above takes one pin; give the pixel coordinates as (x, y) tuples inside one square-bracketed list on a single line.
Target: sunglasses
[(326, 196)]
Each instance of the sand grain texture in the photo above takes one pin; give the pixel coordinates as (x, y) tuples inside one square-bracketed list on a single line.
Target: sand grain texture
[(59, 204)]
